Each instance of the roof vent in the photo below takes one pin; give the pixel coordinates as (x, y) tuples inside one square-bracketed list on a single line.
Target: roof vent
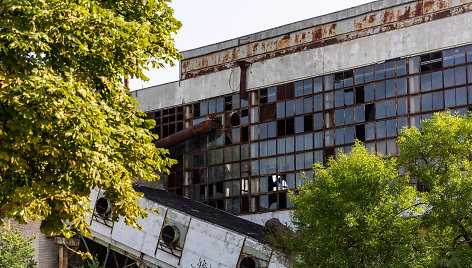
[(170, 235), (103, 208), (248, 262)]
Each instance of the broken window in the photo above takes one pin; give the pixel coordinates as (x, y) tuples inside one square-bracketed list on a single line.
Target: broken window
[(369, 112), (285, 91), (329, 119), (430, 61), (267, 112), (360, 132), (360, 94)]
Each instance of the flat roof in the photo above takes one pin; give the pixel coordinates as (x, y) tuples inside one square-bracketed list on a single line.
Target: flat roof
[(295, 26)]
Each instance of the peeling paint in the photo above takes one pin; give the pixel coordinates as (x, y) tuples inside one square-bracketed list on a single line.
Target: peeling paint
[(322, 35)]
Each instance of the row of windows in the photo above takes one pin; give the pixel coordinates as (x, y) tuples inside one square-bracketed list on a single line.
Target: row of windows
[(266, 140)]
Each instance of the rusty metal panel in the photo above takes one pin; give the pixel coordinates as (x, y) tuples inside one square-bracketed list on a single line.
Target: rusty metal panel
[(322, 35)]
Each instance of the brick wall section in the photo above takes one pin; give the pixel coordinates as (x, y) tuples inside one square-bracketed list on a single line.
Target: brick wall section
[(46, 253)]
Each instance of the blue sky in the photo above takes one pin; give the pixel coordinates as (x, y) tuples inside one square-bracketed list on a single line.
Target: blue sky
[(206, 22)]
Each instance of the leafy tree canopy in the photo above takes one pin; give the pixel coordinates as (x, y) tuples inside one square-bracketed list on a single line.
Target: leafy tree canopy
[(67, 124), (360, 210)]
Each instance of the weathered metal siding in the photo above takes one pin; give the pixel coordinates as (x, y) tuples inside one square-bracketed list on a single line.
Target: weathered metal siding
[(327, 34)]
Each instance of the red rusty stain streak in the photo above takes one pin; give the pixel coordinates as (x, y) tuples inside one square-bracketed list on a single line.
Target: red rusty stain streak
[(418, 9), (371, 19), (254, 48), (441, 15), (428, 6), (332, 29), (303, 36), (317, 33), (442, 5), (406, 14), (388, 16), (357, 25)]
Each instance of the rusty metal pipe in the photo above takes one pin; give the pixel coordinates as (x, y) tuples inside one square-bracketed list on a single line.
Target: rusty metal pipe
[(183, 135)]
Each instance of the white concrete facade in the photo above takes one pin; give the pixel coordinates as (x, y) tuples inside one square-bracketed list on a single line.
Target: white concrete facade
[(310, 63), (448, 32), (217, 246)]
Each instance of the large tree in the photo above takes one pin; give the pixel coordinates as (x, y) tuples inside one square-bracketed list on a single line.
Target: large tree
[(67, 124), (439, 158), (349, 214), (360, 209)]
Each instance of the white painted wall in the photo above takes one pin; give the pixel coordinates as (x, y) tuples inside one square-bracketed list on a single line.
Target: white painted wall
[(218, 246)]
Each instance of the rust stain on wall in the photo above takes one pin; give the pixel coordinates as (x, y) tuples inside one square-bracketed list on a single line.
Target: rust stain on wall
[(327, 34), (388, 16), (332, 29)]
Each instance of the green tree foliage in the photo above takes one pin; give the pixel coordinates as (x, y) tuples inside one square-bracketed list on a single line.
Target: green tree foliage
[(348, 215), (15, 250), (67, 124), (439, 157), (360, 211)]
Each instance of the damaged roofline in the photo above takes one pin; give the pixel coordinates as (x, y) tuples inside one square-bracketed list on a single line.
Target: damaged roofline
[(292, 27)]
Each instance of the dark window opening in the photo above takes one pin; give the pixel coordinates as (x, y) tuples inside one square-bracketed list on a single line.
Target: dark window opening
[(219, 189), (196, 110), (370, 112), (343, 79), (165, 131), (245, 204), (267, 112), (235, 121), (308, 124), (180, 126), (263, 96), (360, 132), (328, 153), (282, 200), (272, 201), (285, 91), (289, 126), (171, 129), (219, 204), (228, 103), (280, 128), (245, 134), (272, 183), (431, 61), (228, 137)]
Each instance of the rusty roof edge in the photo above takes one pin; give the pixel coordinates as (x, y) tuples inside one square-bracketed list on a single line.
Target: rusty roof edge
[(295, 26)]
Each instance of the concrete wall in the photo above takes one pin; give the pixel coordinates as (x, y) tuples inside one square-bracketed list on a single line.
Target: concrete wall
[(346, 55), (218, 246), (416, 39)]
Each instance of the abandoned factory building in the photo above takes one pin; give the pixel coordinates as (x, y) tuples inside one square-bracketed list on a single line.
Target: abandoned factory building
[(260, 109), (249, 115)]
